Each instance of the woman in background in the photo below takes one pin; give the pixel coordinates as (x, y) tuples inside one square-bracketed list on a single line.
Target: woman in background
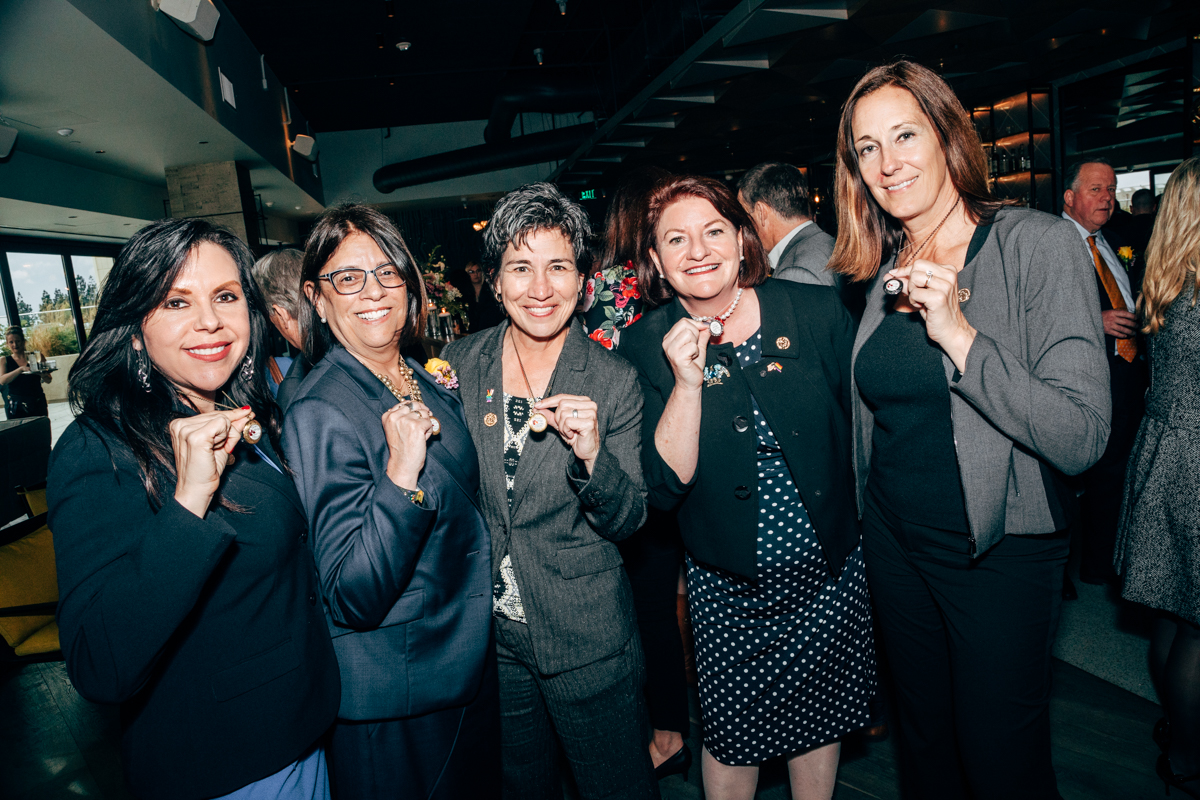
[(1158, 542), (653, 556), (187, 591), (23, 395)]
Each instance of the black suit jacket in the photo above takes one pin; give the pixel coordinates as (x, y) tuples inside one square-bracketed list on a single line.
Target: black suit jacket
[(290, 384), (807, 331), (407, 588), (206, 631)]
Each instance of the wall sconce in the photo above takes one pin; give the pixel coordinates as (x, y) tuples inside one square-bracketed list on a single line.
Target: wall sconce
[(305, 146), (562, 7), (196, 17)]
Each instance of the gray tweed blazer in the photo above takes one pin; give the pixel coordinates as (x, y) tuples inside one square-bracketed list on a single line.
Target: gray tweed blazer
[(1034, 399), (805, 257), (561, 528)]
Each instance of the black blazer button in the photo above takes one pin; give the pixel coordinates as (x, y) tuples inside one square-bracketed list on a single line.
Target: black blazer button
[(741, 424), (817, 492), (304, 537), (741, 493), (762, 373), (724, 358), (312, 598)]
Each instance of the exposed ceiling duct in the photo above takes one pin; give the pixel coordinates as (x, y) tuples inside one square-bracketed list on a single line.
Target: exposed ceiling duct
[(575, 93), (533, 148)]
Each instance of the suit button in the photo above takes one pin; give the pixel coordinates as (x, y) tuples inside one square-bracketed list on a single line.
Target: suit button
[(312, 598), (741, 424), (724, 358), (741, 493), (795, 433), (762, 373), (304, 537), (817, 492)]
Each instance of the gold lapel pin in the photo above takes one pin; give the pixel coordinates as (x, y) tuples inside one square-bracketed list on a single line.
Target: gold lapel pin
[(964, 295), (489, 419), (783, 343)]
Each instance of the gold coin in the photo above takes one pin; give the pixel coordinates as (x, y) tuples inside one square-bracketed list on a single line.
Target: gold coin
[(783, 343), (253, 432), (489, 419)]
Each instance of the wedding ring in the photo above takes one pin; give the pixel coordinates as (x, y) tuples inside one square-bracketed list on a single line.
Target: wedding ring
[(574, 412)]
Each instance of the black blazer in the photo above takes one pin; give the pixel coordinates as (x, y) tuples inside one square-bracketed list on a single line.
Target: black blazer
[(562, 526), (806, 403), (206, 631), (407, 589)]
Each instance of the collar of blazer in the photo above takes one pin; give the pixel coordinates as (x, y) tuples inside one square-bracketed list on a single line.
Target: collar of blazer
[(777, 318), (570, 377)]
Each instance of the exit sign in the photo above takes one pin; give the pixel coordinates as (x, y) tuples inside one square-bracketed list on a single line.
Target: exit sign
[(587, 194)]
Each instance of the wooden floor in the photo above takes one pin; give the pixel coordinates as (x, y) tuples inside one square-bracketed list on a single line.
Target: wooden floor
[(54, 744)]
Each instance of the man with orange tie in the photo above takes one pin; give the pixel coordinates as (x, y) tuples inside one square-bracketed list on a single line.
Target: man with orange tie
[(1088, 201)]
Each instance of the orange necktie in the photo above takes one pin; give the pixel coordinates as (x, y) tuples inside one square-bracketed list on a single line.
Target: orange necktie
[(1126, 348)]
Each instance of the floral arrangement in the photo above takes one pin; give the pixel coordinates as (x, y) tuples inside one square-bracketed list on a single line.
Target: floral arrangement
[(1126, 255), (440, 293), (442, 372)]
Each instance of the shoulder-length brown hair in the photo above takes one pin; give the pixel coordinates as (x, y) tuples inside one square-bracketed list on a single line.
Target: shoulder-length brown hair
[(331, 229), (1173, 255), (755, 267), (866, 235)]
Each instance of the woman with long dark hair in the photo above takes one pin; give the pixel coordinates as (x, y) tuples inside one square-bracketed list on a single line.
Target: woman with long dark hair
[(979, 380), (187, 590), (1158, 542)]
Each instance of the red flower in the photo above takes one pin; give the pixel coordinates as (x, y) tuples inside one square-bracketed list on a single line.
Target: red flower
[(599, 336), (636, 317), (622, 301)]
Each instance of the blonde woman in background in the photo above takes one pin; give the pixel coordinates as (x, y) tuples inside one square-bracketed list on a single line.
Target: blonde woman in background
[(1158, 542)]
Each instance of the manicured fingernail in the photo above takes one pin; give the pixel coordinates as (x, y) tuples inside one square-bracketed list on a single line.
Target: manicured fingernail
[(245, 408)]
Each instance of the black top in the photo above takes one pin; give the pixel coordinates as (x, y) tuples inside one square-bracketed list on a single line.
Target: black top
[(805, 398), (26, 385), (901, 378)]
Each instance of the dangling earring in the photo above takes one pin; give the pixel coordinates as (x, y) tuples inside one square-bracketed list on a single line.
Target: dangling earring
[(248, 368), (143, 371)]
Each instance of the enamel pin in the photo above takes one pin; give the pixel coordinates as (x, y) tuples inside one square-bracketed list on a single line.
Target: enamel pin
[(490, 392), (713, 375), (774, 366), (489, 419)]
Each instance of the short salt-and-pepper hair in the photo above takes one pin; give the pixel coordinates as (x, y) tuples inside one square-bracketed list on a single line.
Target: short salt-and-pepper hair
[(531, 208)]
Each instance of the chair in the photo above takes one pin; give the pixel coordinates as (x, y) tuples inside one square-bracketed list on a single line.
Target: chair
[(28, 593)]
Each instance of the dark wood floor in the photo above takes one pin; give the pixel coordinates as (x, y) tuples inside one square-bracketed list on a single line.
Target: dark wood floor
[(54, 744)]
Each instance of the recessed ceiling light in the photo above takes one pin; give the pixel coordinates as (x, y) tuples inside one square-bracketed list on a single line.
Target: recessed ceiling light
[(402, 46), (65, 131), (270, 203), (297, 208)]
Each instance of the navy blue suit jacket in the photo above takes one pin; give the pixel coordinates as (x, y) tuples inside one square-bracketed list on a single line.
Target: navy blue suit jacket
[(406, 589)]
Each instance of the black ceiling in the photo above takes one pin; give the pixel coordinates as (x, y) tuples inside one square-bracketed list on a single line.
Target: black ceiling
[(342, 67)]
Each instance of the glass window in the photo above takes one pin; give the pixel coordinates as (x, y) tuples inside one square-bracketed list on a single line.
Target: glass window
[(90, 272), (1130, 182), (40, 284)]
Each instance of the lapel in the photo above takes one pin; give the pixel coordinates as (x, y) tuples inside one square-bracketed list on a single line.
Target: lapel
[(569, 378), (487, 373), (788, 252), (265, 474), (454, 436)]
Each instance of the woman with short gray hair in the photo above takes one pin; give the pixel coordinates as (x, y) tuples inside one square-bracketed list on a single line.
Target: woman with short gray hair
[(557, 501)]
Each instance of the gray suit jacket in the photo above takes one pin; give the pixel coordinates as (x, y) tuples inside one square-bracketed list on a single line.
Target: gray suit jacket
[(1033, 400), (805, 257), (561, 528)]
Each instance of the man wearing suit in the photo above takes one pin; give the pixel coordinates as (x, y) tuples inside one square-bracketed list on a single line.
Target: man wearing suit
[(775, 196), (278, 277), (1089, 201)]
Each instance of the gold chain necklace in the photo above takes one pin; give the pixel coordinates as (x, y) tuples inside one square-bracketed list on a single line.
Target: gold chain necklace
[(537, 420), (921, 246), (414, 391)]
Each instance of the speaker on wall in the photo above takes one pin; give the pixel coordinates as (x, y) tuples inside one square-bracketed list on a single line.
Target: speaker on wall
[(8, 137), (197, 17), (305, 147)]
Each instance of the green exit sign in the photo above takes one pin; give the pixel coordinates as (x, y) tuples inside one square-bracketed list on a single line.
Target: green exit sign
[(587, 194)]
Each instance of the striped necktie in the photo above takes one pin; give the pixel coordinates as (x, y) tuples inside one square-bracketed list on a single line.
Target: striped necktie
[(1126, 348)]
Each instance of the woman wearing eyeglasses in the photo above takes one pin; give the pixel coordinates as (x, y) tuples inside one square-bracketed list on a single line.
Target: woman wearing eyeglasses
[(387, 473)]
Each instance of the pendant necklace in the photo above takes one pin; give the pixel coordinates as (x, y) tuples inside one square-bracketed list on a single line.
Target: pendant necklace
[(895, 284), (414, 395), (716, 325), (537, 420), (252, 432)]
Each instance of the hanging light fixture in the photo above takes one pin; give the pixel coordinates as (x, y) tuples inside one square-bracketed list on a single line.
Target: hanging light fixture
[(539, 54), (562, 7)]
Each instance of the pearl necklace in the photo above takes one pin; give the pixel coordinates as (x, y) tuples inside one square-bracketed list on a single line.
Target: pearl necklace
[(716, 324)]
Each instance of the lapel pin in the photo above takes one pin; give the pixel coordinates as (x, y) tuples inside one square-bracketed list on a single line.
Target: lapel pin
[(964, 295), (774, 366), (713, 375), (783, 343), (490, 392), (489, 419)]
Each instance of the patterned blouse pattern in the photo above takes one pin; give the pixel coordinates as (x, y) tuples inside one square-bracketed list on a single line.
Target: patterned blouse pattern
[(506, 596), (611, 302)]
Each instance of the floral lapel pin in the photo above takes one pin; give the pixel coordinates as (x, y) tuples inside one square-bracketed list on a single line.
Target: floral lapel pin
[(442, 372), (713, 375)]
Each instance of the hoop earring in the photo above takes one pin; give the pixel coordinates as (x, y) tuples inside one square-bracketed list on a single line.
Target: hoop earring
[(248, 368), (143, 370)]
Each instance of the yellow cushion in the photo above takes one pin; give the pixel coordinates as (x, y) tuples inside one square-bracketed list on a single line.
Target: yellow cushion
[(36, 498), (43, 640), (26, 577)]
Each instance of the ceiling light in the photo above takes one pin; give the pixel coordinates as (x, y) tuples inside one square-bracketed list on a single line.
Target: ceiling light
[(297, 208), (480, 225), (562, 7), (402, 46), (65, 131), (539, 54), (270, 203), (379, 40), (389, 8), (196, 17)]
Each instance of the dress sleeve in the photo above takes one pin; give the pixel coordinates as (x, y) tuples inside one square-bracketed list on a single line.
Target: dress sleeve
[(1055, 401), (367, 535), (128, 575)]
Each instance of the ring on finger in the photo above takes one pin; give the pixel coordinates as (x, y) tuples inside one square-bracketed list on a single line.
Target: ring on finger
[(574, 412)]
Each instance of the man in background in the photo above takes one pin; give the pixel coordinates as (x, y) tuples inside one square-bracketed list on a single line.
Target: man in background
[(775, 195), (278, 277), (1088, 202)]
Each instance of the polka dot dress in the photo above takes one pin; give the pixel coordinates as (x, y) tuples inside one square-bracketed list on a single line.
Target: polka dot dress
[(786, 662)]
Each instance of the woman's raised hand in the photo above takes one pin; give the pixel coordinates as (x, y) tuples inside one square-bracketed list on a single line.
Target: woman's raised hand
[(407, 427), (202, 446), (574, 418), (933, 292), (686, 347)]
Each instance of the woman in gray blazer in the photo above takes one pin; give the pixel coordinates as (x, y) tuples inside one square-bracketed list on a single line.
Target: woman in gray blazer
[(556, 420), (980, 381)]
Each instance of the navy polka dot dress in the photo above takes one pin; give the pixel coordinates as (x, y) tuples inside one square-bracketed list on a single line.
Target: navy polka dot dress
[(786, 662)]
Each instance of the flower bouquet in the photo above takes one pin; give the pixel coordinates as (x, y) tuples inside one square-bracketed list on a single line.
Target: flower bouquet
[(440, 293)]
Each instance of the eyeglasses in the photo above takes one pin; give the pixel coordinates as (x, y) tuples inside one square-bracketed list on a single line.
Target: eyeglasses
[(352, 279)]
